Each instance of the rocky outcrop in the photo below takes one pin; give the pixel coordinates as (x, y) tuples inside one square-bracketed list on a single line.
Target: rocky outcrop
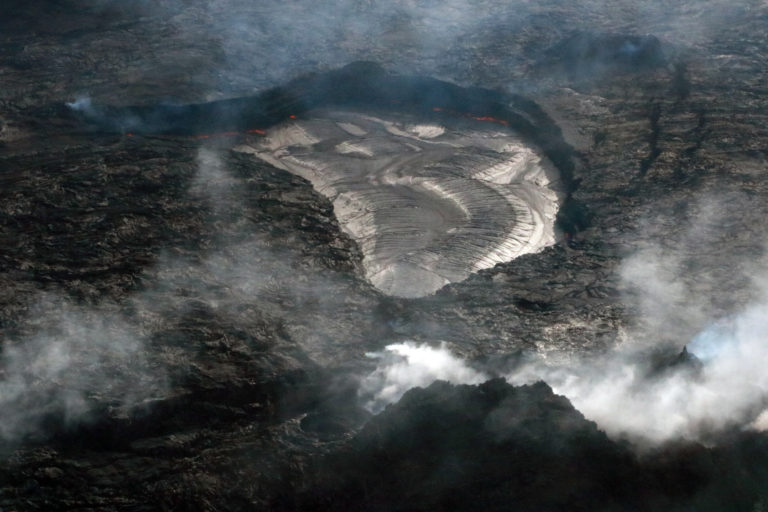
[(474, 448), (494, 446)]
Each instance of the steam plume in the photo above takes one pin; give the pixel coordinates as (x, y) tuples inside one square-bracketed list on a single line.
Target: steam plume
[(406, 365), (627, 398), (74, 357)]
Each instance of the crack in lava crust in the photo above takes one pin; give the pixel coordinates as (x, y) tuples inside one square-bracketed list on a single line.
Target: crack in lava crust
[(427, 204)]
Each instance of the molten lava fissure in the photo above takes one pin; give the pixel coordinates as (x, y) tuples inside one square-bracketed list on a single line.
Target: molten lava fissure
[(468, 115), (492, 120)]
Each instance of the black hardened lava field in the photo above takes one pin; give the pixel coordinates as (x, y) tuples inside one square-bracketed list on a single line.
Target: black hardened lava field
[(402, 256)]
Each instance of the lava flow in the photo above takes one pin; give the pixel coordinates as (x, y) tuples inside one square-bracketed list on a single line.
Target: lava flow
[(488, 119), (257, 131), (423, 216)]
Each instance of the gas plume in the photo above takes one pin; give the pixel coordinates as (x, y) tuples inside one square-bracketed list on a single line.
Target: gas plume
[(647, 389), (402, 366), (74, 357)]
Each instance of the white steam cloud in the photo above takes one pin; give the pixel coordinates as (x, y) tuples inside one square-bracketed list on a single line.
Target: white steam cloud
[(403, 366), (627, 398), (75, 357), (618, 392), (640, 390), (81, 104)]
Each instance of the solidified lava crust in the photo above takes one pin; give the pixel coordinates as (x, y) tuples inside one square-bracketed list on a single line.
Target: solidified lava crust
[(431, 180)]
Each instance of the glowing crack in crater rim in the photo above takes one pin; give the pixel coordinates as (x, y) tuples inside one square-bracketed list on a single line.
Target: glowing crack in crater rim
[(427, 204)]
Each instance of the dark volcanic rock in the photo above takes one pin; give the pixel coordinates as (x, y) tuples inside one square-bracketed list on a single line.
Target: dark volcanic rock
[(582, 55), (476, 448), (182, 327), (494, 446)]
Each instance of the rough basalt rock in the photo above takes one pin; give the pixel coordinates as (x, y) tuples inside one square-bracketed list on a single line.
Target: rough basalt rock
[(494, 446), (244, 304)]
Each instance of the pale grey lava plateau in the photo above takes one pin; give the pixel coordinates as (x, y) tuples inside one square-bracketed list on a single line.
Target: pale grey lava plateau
[(427, 204)]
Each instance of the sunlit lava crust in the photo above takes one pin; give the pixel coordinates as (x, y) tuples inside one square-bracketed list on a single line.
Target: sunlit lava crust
[(426, 203)]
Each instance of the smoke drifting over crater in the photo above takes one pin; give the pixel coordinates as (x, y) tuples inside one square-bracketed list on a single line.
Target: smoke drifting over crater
[(430, 202), (75, 360), (685, 398)]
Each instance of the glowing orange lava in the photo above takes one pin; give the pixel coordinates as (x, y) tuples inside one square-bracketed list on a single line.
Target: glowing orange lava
[(492, 120), (488, 119)]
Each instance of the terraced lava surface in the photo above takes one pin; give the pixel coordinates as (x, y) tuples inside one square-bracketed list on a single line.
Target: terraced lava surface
[(427, 205)]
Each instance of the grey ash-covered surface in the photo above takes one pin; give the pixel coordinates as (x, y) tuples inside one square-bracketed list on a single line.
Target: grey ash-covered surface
[(184, 325), (427, 206)]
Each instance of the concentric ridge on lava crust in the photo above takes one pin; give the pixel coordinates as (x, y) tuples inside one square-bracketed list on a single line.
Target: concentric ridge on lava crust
[(428, 204)]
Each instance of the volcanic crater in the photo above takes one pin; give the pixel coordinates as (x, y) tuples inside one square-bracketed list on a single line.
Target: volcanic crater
[(432, 181)]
